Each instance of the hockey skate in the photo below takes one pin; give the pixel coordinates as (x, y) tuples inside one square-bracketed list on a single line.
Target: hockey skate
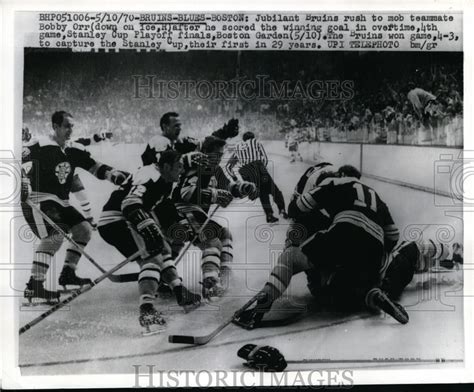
[(151, 320), (37, 294), (68, 277), (380, 300), (272, 219), (186, 299), (212, 289)]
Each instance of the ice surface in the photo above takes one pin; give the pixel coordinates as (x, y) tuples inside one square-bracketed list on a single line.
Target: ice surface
[(99, 332)]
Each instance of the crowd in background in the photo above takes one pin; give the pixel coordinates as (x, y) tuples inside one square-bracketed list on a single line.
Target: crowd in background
[(99, 90)]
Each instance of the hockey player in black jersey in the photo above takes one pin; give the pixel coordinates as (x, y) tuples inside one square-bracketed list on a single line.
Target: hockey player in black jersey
[(77, 187), (345, 275), (52, 162), (128, 223), (198, 189), (170, 139)]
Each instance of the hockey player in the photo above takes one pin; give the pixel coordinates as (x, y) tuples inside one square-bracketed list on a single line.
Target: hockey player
[(169, 139), (342, 275), (292, 143), (304, 225), (197, 190), (127, 223), (52, 162), (77, 187)]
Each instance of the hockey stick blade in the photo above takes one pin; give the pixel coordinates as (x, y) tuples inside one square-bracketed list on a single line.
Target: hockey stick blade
[(131, 277), (200, 340), (181, 339)]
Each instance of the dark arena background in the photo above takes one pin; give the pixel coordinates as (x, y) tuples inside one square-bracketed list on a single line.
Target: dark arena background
[(100, 90)]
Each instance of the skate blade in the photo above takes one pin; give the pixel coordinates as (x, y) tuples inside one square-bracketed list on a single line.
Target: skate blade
[(155, 330), (38, 302)]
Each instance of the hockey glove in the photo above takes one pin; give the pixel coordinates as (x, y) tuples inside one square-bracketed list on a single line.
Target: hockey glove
[(25, 188), (221, 197), (266, 358), (148, 229), (186, 145), (195, 159), (246, 188), (229, 130), (117, 177)]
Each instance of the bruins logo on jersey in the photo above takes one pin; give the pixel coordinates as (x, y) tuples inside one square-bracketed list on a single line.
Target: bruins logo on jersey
[(62, 171)]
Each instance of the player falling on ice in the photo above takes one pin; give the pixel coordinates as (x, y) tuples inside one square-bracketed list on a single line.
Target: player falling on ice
[(77, 187), (52, 161), (198, 189), (128, 223), (345, 276)]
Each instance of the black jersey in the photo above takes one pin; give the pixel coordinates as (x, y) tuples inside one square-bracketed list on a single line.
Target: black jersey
[(161, 143), (145, 188), (347, 200), (52, 167), (307, 182), (195, 186)]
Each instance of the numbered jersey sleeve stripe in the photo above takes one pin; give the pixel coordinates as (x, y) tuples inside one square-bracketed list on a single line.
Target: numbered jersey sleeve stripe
[(360, 220), (391, 232), (306, 203)]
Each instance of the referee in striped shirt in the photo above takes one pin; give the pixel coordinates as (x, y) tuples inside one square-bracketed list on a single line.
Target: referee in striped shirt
[(250, 161)]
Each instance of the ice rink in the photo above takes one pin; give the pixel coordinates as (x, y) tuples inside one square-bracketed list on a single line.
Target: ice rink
[(99, 332)]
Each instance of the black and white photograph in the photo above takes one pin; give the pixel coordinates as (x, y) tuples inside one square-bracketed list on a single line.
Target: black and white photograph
[(236, 208)]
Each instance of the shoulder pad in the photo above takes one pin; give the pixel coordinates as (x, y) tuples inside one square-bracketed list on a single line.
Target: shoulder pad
[(145, 174), (160, 143)]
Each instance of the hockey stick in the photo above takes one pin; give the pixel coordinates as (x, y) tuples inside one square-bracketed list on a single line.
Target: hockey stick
[(131, 277), (77, 293), (200, 340), (196, 236)]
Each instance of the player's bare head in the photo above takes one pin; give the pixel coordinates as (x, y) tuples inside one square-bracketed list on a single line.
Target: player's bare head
[(170, 125), (213, 147), (248, 135), (170, 165), (62, 125), (349, 171)]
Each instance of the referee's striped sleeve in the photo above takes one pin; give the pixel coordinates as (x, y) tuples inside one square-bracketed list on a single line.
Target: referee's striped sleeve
[(263, 154)]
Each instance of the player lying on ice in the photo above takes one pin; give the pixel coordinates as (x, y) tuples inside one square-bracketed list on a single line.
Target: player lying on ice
[(331, 280), (339, 275), (52, 162), (198, 189), (128, 223)]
